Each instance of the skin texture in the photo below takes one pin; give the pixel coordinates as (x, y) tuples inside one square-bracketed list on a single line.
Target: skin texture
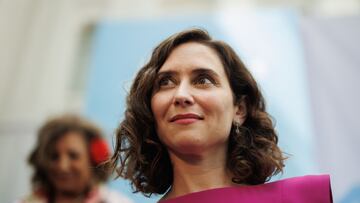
[(192, 83), (70, 166)]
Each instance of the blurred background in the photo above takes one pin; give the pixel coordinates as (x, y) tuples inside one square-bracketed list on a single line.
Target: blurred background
[(80, 56)]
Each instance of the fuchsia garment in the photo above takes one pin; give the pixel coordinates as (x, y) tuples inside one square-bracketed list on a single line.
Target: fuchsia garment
[(305, 189)]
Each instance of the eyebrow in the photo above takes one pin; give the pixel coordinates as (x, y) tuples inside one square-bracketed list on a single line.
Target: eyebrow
[(165, 73), (199, 71), (196, 71)]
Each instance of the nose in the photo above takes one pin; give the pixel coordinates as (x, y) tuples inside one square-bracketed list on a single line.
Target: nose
[(183, 96), (63, 164)]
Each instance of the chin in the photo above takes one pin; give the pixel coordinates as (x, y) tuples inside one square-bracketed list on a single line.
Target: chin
[(189, 146), (71, 191), (186, 141), (70, 188)]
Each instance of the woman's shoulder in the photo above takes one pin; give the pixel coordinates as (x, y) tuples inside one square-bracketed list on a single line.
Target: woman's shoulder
[(310, 188), (308, 179), (34, 197)]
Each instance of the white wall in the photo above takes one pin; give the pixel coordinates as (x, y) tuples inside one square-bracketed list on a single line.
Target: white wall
[(39, 48)]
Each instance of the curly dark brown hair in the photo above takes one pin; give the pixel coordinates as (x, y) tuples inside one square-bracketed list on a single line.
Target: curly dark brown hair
[(253, 155), (49, 134)]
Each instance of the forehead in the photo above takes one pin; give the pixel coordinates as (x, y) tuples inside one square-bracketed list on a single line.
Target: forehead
[(193, 55), (72, 139)]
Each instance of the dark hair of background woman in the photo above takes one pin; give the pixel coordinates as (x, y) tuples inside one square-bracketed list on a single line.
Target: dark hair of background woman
[(253, 155)]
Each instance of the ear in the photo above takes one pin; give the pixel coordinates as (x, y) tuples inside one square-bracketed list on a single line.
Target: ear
[(240, 112)]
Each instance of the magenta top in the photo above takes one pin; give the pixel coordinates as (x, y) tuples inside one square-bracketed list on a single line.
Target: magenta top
[(305, 189)]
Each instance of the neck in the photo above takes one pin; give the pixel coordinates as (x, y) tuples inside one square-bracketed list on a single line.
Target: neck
[(194, 173), (71, 196)]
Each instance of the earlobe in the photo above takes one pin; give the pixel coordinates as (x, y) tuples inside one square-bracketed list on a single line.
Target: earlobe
[(241, 112)]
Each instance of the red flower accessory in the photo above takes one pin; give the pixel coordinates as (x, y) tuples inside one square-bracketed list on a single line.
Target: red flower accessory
[(99, 150)]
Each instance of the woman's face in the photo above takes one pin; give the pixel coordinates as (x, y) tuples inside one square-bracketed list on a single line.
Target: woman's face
[(192, 101), (70, 165)]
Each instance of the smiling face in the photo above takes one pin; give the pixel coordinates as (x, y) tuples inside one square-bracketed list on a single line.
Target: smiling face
[(70, 166), (192, 102)]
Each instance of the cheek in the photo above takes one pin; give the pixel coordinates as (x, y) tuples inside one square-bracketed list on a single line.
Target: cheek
[(84, 174), (159, 105), (218, 103), (85, 167), (220, 110)]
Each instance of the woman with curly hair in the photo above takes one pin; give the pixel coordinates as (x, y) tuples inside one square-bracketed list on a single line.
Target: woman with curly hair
[(196, 130), (68, 163)]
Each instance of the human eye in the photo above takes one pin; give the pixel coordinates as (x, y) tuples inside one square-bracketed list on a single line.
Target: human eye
[(166, 82), (73, 155), (54, 156), (204, 80)]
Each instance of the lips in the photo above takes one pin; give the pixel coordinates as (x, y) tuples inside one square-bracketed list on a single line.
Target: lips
[(187, 116)]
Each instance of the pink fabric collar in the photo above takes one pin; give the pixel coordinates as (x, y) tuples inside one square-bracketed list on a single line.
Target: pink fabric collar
[(305, 189)]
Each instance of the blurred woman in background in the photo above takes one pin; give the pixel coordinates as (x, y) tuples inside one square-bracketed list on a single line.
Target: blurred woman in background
[(67, 162), (196, 130)]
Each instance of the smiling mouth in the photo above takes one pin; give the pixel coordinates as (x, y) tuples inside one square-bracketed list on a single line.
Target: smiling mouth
[(186, 118)]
